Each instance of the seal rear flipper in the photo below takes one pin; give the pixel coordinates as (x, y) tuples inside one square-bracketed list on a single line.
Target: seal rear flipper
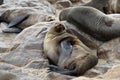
[(12, 30), (54, 68), (62, 71), (17, 20)]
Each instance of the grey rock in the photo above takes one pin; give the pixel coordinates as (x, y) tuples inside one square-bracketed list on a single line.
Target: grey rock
[(63, 4), (27, 46)]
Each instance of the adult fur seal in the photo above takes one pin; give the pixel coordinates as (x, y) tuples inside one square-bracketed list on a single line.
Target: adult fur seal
[(22, 18), (93, 22), (67, 54)]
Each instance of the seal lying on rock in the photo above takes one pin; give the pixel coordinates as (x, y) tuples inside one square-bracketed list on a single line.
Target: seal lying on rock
[(19, 19), (93, 22), (67, 54)]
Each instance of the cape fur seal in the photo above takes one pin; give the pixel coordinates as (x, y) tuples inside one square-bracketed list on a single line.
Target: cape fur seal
[(93, 22), (66, 53), (22, 18)]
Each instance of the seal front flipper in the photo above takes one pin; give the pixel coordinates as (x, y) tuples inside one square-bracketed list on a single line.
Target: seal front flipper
[(65, 50), (66, 47), (17, 20), (12, 30)]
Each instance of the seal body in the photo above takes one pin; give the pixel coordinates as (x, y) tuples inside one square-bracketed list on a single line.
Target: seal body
[(67, 54), (22, 18), (93, 22)]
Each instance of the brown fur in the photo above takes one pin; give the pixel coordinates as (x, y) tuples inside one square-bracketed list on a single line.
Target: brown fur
[(34, 16), (81, 58)]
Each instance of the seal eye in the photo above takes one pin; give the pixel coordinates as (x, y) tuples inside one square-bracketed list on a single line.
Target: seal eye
[(59, 28)]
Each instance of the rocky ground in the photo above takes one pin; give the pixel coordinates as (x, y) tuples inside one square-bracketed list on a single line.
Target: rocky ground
[(21, 55)]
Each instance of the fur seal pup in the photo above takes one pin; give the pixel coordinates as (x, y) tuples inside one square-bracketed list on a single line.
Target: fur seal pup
[(66, 53), (22, 18), (93, 22)]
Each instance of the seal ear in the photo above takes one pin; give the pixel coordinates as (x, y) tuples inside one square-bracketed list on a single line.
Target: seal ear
[(59, 27)]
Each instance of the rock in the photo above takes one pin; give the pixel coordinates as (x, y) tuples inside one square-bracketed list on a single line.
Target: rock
[(109, 50), (5, 39), (37, 64), (114, 6), (35, 6), (53, 1), (30, 74), (42, 5), (4, 75), (57, 76), (27, 46), (6, 66), (63, 4), (112, 74)]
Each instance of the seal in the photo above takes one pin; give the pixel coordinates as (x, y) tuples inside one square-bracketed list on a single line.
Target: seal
[(21, 18), (66, 53), (93, 22)]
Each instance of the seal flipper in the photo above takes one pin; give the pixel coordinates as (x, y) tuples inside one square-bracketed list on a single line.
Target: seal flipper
[(66, 47), (12, 30), (62, 71), (65, 50), (17, 20)]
